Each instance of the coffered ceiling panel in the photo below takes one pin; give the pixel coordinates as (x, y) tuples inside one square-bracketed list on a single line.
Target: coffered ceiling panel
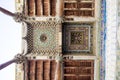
[(76, 38)]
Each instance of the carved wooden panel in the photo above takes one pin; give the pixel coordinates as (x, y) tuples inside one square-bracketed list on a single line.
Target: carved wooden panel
[(40, 70), (84, 8), (79, 70), (76, 38)]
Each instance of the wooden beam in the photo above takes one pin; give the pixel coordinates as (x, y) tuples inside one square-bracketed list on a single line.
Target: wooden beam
[(39, 72), (31, 7), (45, 7), (52, 70), (38, 7), (32, 70), (46, 70)]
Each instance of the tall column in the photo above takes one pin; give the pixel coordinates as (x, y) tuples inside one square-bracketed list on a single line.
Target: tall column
[(111, 25)]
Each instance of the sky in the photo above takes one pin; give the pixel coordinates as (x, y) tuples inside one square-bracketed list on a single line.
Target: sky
[(10, 40)]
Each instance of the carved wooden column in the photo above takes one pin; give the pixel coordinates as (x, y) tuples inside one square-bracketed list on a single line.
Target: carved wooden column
[(59, 8)]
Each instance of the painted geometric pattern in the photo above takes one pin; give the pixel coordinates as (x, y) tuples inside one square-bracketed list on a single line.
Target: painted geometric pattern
[(76, 38), (44, 39)]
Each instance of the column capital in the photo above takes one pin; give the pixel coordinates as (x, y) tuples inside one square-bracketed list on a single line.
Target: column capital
[(20, 58)]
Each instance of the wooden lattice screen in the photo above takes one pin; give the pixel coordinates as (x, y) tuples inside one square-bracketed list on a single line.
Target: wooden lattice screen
[(79, 70)]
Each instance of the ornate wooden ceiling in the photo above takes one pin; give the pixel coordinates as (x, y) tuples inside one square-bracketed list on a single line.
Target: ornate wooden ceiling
[(57, 30)]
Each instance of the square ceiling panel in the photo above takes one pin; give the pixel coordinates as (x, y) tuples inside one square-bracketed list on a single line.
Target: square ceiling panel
[(76, 38), (43, 39)]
